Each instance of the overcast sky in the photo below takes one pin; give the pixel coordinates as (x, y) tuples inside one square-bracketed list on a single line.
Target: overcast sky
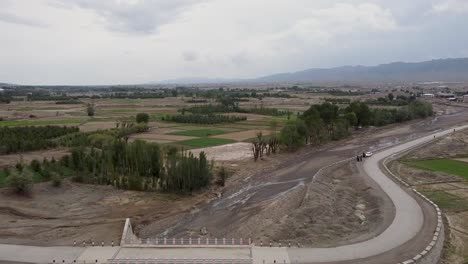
[(131, 41)]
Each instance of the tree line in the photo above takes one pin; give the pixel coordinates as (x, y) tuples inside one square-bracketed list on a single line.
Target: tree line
[(232, 107), (140, 166), (390, 99), (324, 122), (19, 139)]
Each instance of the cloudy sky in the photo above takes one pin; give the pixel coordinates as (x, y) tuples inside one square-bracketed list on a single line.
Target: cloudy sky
[(131, 41)]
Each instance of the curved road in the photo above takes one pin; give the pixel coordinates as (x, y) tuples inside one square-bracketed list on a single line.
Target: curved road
[(407, 223)]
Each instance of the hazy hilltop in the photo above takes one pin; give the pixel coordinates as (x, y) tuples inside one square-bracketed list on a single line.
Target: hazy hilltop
[(434, 70), (448, 70)]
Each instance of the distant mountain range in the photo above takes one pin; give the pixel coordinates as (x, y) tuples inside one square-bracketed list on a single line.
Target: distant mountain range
[(197, 80), (445, 70)]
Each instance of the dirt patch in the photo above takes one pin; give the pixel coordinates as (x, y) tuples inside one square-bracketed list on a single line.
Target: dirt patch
[(338, 206), (451, 146), (58, 216), (420, 177), (27, 157), (229, 152), (458, 238)]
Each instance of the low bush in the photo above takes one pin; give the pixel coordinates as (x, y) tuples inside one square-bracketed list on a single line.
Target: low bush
[(20, 182)]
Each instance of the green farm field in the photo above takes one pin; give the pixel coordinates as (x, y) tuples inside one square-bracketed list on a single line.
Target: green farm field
[(200, 132), (449, 166), (205, 142), (40, 122)]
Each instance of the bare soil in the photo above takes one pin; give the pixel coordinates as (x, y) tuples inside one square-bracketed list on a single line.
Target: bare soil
[(59, 216), (27, 157), (229, 152), (93, 126)]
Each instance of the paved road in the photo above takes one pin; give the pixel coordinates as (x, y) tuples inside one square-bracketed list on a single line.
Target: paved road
[(407, 223)]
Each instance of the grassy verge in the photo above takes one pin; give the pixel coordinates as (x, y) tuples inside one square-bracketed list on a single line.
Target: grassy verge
[(205, 142), (40, 122), (454, 167), (447, 201), (199, 132)]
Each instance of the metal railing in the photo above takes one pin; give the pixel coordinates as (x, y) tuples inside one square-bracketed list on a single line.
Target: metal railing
[(180, 261), (188, 242)]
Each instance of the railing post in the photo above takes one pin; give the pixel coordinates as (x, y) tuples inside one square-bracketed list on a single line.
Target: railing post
[(190, 240), (165, 240), (173, 241), (240, 242), (224, 241), (216, 241), (207, 241), (198, 241)]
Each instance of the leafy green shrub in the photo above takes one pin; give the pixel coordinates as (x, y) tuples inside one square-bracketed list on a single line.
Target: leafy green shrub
[(20, 182), (56, 179), (90, 110), (19, 166), (35, 165), (142, 118), (223, 174)]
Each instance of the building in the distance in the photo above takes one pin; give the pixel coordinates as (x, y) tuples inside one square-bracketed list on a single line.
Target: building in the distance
[(445, 95), (428, 95)]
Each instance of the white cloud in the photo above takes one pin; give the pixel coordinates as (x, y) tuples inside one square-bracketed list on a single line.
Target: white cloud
[(189, 55), (132, 16), (452, 6), (111, 41), (15, 19)]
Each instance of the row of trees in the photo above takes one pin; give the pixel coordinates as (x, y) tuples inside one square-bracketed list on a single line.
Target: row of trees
[(232, 107), (203, 119), (140, 166), (399, 100), (324, 122), (19, 139), (100, 138)]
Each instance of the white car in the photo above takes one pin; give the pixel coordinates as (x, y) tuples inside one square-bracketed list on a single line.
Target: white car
[(368, 154)]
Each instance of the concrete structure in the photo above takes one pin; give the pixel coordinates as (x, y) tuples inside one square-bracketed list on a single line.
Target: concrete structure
[(445, 95), (428, 95), (408, 222)]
